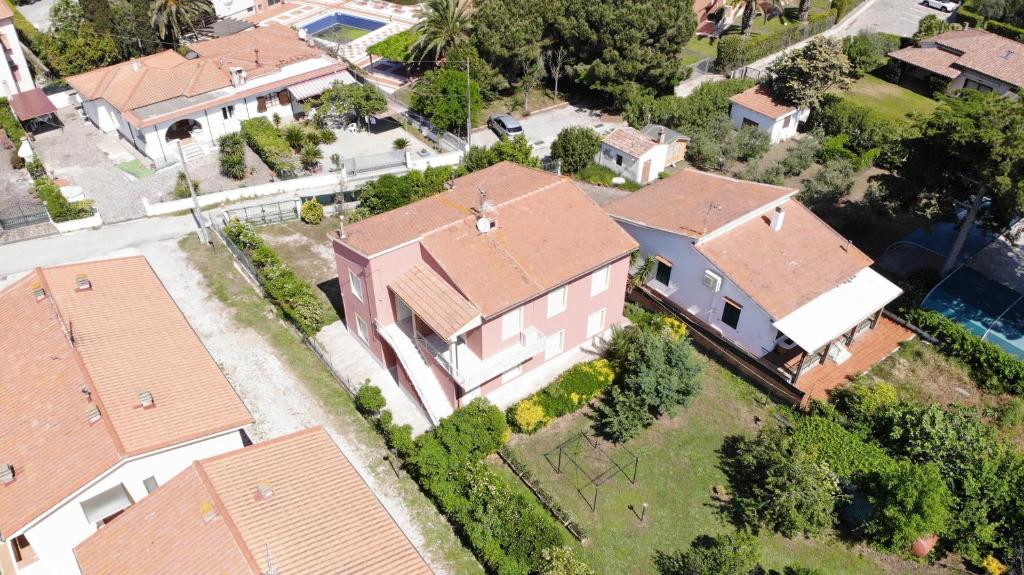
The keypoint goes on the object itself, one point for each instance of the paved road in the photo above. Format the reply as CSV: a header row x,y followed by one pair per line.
x,y
541,128
893,16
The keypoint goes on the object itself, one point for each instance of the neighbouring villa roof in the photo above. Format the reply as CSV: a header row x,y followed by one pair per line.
x,y
972,49
435,301
694,203
68,351
760,99
546,232
783,270
294,501
167,75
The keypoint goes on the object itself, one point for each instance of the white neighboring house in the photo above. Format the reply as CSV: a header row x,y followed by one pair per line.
x,y
155,100
757,107
14,73
974,59
234,8
106,394
759,268
640,155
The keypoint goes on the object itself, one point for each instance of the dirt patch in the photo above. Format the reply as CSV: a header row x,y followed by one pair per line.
x,y
307,251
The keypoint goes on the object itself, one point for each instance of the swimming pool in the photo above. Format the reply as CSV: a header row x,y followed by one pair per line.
x,y
341,27
987,308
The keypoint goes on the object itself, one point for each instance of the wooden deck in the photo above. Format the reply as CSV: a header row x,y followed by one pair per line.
x,y
868,349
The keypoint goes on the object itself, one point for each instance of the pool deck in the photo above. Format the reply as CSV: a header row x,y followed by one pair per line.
x,y
1003,259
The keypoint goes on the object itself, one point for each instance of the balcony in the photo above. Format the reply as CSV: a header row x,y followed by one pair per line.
x,y
465,367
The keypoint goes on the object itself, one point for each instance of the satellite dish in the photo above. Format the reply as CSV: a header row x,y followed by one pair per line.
x,y
483,225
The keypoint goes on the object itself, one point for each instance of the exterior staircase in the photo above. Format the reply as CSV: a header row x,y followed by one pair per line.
x,y
190,151
420,373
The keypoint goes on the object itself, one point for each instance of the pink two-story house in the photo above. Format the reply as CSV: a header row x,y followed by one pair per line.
x,y
465,292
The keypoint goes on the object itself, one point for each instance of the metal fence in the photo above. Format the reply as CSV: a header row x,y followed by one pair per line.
x,y
374,162
19,215
269,213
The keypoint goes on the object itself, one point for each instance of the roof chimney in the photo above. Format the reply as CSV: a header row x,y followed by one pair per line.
x,y
777,218
82,283
662,134
6,473
264,491
38,291
93,414
145,399
483,223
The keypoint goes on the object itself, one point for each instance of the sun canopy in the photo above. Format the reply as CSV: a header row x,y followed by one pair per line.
x,y
32,104
837,311
317,86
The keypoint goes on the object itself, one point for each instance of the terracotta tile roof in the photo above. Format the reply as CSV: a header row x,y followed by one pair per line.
x,y
166,75
934,60
760,100
317,516
547,232
129,336
693,203
971,49
434,300
784,270
630,141
6,11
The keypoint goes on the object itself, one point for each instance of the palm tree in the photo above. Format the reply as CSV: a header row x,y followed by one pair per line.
x,y
804,9
641,270
445,23
753,7
176,15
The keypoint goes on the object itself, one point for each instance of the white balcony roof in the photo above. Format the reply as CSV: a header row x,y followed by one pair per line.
x,y
838,310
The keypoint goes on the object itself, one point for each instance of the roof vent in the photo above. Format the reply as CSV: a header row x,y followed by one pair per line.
x,y
93,415
6,473
777,218
145,399
88,394
1007,55
237,76
39,291
207,511
136,65
662,135
302,33
264,491
484,225
191,55
82,283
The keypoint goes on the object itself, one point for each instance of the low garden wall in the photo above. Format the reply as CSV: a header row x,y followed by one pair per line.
x,y
93,221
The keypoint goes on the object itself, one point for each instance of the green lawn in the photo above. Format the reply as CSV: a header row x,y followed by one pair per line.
x,y
888,99
678,467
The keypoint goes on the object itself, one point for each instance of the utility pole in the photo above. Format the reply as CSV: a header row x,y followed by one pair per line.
x,y
469,108
195,200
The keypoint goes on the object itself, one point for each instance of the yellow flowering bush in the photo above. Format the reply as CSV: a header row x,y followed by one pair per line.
x,y
675,328
528,416
993,566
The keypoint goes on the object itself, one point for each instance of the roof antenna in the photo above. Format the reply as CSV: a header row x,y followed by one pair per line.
x,y
483,199
707,215
271,570
257,56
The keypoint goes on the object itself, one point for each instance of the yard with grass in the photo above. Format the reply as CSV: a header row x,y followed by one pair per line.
x,y
889,100
307,250
248,310
677,471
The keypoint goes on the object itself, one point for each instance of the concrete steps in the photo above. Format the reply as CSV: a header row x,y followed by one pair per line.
x,y
420,373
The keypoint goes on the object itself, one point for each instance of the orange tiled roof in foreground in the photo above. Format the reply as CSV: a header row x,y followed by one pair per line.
x,y
129,336
694,203
547,232
143,81
760,100
783,270
315,515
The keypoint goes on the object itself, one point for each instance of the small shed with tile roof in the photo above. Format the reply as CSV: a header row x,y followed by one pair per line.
x,y
758,107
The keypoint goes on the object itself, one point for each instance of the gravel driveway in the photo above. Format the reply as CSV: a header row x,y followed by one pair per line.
x,y
541,128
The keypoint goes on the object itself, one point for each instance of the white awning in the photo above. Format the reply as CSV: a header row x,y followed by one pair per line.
x,y
316,86
839,310
106,504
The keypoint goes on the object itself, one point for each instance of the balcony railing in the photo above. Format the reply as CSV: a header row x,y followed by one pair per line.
x,y
473,371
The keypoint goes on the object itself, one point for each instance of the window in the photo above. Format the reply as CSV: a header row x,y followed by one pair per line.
x,y
150,484
512,323
749,122
663,272
599,280
618,159
786,122
103,508
284,98
554,344
975,85
355,284
558,300
228,112
595,323
361,329
731,313
261,104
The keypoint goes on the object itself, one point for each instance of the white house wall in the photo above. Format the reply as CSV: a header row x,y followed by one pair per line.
x,y
54,537
233,8
754,332
632,167
772,126
9,85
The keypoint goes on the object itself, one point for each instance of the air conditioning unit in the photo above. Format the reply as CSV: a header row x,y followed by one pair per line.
x,y
712,281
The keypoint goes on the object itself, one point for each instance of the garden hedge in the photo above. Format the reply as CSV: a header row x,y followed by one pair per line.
x,y
61,210
1004,29
293,295
10,123
573,389
735,51
992,368
397,48
269,144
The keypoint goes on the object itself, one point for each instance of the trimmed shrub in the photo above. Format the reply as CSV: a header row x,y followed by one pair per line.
x,y
60,209
528,416
292,295
1003,29
266,140
312,212
909,500
35,168
991,367
370,400
232,156
17,162
595,174
572,390
576,147
10,123
181,190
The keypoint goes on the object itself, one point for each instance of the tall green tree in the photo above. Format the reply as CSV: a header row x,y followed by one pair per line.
x,y
99,13
748,10
441,96
909,501
357,99
70,51
174,19
576,147
134,18
803,76
736,553
445,24
509,32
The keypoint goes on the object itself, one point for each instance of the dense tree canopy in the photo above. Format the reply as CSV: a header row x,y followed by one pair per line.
x,y
735,553
801,77
440,95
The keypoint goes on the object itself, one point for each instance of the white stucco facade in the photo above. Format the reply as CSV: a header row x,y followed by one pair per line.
x,y
54,534
234,8
778,129
651,163
14,73
754,331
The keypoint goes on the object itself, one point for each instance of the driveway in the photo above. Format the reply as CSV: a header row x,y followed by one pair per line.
x,y
542,128
371,143
38,13
898,17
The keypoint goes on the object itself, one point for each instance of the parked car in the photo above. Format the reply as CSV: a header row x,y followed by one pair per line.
x,y
504,125
944,5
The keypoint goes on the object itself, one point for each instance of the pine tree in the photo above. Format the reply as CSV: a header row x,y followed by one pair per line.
x,y
99,14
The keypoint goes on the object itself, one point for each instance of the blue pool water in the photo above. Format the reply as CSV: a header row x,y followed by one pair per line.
x,y
341,19
989,309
